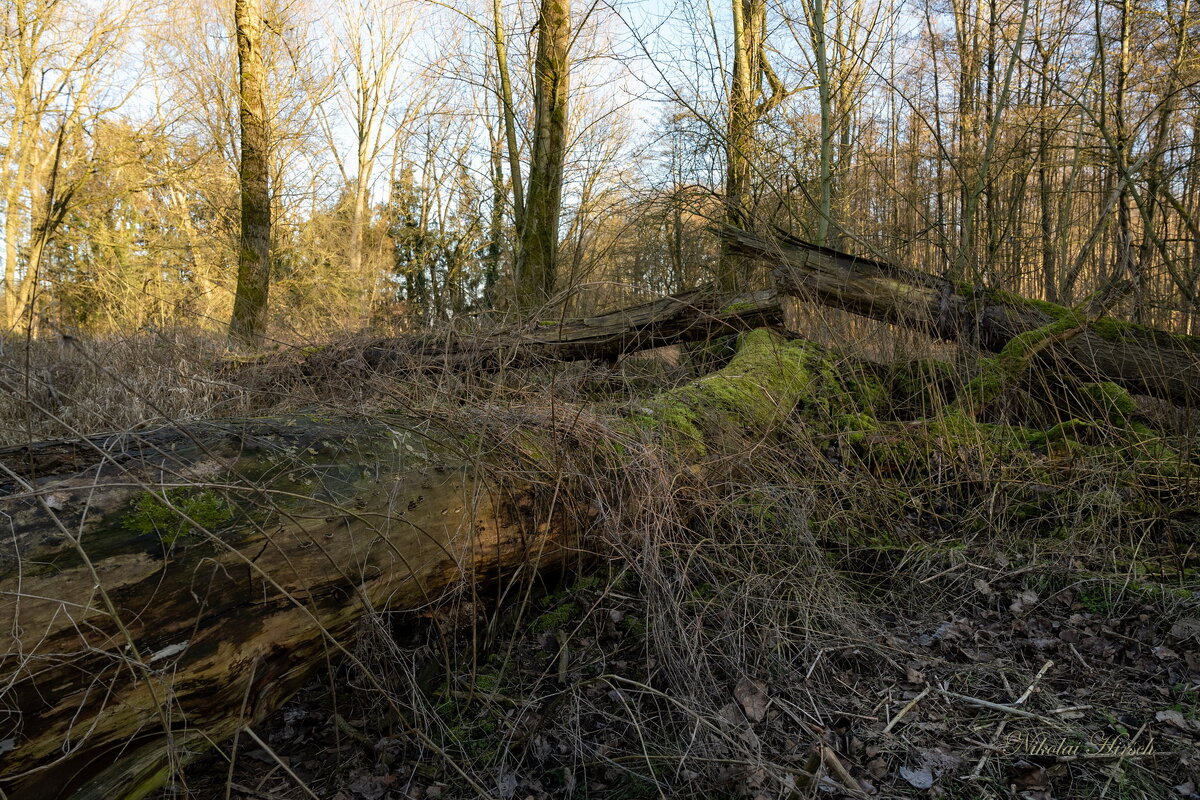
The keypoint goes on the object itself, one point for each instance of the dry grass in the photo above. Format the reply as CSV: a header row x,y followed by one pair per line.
x,y
746,626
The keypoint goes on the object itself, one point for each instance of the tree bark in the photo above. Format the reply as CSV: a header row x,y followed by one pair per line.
x,y
254,267
167,588
508,115
538,258
747,107
1144,360
744,91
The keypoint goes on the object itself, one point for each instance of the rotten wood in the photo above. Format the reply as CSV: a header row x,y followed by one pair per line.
x,y
155,583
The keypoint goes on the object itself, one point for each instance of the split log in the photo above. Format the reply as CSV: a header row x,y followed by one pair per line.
x,y
690,316
166,588
1144,360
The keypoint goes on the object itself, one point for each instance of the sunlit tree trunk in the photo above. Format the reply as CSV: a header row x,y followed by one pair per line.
x,y
254,267
740,134
747,107
538,259
1124,242
508,114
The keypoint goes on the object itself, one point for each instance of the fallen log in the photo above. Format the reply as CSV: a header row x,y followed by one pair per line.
x,y
1144,360
690,316
164,589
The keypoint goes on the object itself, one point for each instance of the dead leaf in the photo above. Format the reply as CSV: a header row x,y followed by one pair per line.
x,y
752,697
1176,718
730,715
1028,776
940,760
1186,628
368,787
918,778
1023,601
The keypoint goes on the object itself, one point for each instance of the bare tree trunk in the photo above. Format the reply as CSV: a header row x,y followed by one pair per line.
x,y
740,133
1124,242
538,258
254,266
825,100
504,84
1045,189
495,248
747,107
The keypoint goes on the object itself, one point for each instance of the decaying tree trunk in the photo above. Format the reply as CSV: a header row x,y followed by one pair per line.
x,y
1144,360
163,589
166,588
686,317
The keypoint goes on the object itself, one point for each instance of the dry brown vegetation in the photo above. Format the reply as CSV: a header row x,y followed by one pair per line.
x,y
790,619
906,568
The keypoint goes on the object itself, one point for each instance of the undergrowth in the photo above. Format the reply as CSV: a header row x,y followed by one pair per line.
x,y
800,617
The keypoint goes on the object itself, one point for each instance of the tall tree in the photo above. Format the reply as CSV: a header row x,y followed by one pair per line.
x,y
842,38
370,37
254,264
504,92
56,78
538,257
747,107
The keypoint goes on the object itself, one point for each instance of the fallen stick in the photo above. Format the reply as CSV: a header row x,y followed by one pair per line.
x,y
911,705
975,701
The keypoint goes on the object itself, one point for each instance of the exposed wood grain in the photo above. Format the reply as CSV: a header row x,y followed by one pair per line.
x,y
297,526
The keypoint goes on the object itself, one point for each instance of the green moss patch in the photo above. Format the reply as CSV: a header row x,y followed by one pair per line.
x,y
1110,400
179,513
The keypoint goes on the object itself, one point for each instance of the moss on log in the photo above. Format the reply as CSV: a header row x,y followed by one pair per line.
x,y
1142,359
764,382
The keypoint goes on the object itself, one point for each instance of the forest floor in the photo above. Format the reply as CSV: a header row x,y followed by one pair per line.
x,y
572,698
850,633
